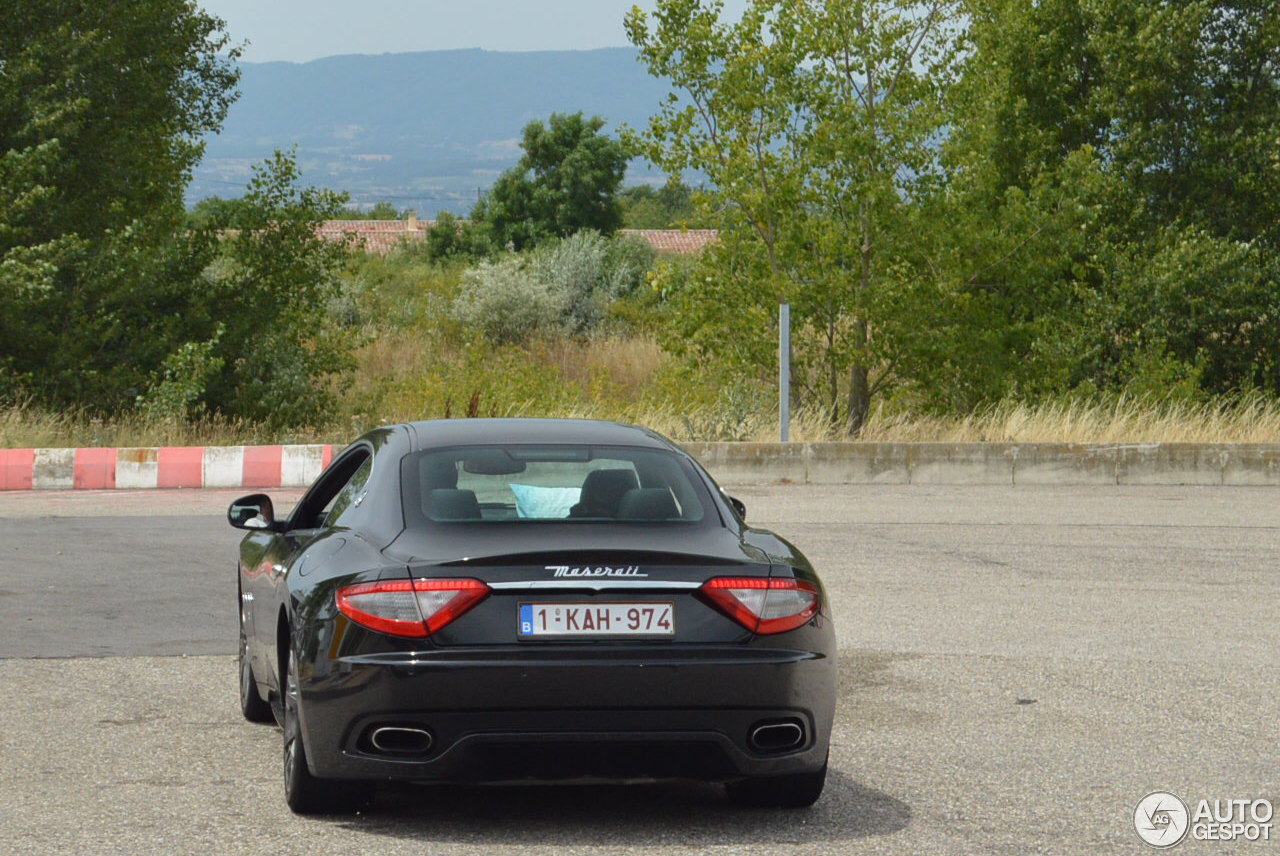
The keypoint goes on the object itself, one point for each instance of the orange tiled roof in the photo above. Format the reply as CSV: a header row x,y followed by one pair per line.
x,y
376,236
682,241
381,236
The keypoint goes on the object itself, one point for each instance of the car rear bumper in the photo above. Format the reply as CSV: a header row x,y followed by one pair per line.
x,y
514,713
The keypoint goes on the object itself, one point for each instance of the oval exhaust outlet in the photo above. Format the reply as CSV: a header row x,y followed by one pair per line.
x,y
401,740
776,736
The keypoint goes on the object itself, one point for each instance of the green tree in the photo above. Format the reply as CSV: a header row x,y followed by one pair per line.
x,y
668,207
379,211
213,209
275,352
451,238
567,180
102,111
1178,107
816,124
1180,100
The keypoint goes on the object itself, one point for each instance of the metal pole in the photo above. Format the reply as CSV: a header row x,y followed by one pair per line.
x,y
784,372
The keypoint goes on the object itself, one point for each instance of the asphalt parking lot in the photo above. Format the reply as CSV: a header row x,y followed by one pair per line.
x,y
1019,666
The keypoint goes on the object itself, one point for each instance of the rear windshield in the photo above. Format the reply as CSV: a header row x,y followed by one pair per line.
x,y
538,484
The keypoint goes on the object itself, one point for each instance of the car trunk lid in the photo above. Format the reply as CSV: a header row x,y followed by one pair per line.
x,y
602,597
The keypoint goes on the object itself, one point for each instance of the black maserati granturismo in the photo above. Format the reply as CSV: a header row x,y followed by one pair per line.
x,y
495,600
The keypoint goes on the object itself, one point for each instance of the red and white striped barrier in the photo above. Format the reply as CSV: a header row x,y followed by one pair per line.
x,y
162,467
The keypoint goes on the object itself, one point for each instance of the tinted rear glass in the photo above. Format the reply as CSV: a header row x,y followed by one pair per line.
x,y
540,484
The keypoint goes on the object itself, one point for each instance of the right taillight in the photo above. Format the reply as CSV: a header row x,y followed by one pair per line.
x,y
764,604
409,607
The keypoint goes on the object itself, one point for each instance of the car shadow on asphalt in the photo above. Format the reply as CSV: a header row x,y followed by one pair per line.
x,y
688,814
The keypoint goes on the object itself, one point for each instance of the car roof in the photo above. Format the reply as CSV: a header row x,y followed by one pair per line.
x,y
436,433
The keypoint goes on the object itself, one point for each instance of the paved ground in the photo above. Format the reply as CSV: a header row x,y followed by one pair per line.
x,y
1019,666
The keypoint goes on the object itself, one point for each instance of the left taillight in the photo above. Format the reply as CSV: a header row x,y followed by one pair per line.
x,y
412,608
764,604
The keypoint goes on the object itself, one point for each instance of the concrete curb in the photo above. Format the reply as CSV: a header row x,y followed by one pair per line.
x,y
162,467
730,463
992,463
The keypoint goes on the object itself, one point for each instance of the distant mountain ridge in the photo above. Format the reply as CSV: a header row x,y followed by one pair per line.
x,y
423,130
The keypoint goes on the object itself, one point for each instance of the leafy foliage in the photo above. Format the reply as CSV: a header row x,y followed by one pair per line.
x,y
965,202
567,180
175,394
816,124
1175,109
667,207
562,288
378,211
212,210
507,302
102,111
451,238
1064,197
267,291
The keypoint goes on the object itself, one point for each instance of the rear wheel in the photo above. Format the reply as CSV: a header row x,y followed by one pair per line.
x,y
304,792
795,790
252,705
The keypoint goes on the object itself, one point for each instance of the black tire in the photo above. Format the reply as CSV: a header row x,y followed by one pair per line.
x,y
304,792
252,705
795,790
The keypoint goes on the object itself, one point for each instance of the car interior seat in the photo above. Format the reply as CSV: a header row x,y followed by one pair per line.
x,y
648,503
451,504
602,493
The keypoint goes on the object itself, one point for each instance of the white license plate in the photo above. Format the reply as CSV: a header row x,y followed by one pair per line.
x,y
596,619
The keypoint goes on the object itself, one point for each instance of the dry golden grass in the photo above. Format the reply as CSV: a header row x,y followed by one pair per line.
x,y
25,427
1126,420
392,353
627,365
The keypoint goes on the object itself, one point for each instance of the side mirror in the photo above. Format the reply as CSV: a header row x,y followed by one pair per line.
x,y
252,512
738,506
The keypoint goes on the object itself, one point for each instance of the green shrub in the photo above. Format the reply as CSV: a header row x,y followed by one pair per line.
x,y
508,301
451,238
174,393
561,287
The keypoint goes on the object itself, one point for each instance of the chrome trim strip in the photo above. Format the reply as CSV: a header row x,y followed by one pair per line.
x,y
594,585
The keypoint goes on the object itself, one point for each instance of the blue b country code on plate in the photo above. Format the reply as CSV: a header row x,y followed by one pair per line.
x,y
526,619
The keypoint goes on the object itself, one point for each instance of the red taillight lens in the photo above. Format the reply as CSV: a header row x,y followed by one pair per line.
x,y
764,604
409,607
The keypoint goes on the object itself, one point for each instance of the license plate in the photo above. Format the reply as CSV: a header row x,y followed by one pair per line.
x,y
596,619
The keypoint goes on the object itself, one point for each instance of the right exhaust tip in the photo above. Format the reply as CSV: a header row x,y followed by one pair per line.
x,y
776,736
401,740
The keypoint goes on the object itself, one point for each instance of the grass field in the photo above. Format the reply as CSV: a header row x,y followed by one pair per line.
x,y
1125,420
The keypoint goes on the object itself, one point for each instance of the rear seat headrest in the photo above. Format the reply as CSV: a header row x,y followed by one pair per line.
x,y
648,503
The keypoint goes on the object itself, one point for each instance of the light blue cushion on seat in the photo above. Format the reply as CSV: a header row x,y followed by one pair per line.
x,y
544,503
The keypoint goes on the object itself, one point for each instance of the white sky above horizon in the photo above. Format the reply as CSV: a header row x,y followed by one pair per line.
x,y
295,31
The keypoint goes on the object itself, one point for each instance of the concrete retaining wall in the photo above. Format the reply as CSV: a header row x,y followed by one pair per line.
x,y
730,463
992,463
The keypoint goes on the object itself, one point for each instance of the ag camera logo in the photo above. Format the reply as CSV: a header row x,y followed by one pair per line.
x,y
1161,819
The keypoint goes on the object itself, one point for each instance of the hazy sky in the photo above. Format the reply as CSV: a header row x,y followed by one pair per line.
x,y
299,31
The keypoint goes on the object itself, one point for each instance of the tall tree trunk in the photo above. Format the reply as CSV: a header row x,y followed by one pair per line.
x,y
833,379
859,388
